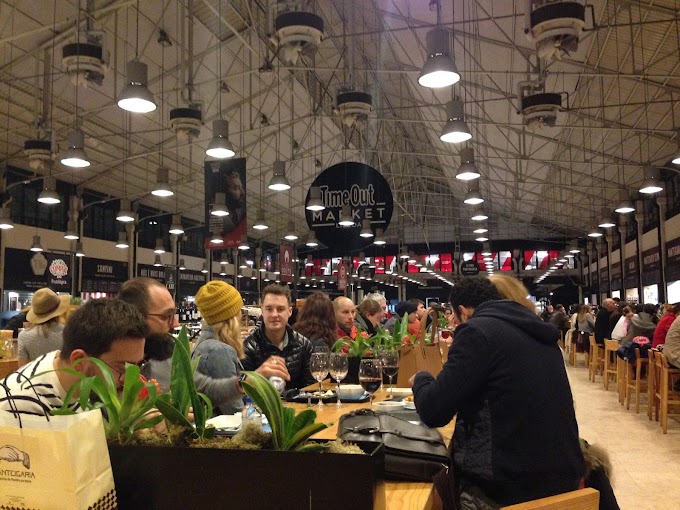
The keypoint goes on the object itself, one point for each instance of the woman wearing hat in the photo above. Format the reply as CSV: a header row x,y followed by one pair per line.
x,y
219,345
44,333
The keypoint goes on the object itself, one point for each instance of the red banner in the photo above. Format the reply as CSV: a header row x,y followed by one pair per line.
x,y
342,276
286,256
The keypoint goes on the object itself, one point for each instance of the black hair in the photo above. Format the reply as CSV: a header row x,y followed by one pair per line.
x,y
416,301
94,326
471,292
136,292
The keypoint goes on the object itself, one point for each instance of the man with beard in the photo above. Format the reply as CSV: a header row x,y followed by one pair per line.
x,y
155,303
236,201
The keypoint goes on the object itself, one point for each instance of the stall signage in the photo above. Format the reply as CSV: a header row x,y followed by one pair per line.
x,y
342,276
651,266
616,276
673,260
632,279
469,268
286,256
101,275
27,270
368,196
157,273
170,279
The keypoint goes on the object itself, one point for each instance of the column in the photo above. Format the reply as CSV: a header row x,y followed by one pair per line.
x,y
623,221
661,202
639,218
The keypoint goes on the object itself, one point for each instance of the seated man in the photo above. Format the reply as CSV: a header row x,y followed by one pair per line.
x,y
405,307
108,329
274,343
345,313
516,436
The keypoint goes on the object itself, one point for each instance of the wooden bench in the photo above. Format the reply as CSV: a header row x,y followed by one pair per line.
x,y
583,499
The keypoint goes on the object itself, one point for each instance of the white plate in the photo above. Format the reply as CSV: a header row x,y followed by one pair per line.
x,y
388,405
400,392
226,421
409,405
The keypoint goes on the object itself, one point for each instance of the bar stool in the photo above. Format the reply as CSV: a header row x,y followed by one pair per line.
x,y
634,379
610,361
652,385
665,393
596,355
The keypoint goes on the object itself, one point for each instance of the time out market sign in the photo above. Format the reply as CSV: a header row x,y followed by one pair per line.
x,y
366,192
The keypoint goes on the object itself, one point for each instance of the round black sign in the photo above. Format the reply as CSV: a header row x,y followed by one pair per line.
x,y
469,268
367,193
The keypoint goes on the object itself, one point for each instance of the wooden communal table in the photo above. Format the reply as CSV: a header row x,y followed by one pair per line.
x,y
7,366
398,495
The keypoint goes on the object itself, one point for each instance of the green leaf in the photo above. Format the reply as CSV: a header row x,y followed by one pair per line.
x,y
305,433
268,400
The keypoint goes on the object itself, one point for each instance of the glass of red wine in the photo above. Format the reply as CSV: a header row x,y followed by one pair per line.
x,y
370,376
390,364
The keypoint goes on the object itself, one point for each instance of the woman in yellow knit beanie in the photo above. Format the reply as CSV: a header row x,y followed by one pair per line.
x,y
219,347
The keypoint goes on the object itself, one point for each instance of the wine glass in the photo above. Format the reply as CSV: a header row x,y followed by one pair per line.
x,y
318,366
390,365
370,376
339,366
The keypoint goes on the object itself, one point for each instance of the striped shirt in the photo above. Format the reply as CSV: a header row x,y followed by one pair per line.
x,y
27,393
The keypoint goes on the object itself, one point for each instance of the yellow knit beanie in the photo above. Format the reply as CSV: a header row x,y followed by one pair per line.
x,y
217,301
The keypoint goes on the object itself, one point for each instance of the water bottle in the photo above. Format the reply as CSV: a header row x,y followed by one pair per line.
x,y
278,383
251,414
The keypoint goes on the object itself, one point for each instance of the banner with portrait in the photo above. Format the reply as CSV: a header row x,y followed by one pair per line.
x,y
228,177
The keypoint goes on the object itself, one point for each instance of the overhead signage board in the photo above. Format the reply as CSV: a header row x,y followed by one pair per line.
x,y
469,268
228,177
101,275
27,270
368,195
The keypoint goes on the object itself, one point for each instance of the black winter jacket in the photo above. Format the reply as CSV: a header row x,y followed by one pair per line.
x,y
516,435
297,354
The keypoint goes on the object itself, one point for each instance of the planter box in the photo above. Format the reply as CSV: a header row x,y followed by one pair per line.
x,y
149,477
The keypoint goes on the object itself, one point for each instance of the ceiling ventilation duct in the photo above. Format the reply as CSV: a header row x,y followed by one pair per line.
x,y
85,63
38,152
539,109
186,123
296,33
555,28
354,107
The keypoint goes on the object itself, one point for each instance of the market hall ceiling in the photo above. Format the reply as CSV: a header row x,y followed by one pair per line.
x,y
545,173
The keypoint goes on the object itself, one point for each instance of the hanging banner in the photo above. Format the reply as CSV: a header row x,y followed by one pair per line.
x,y
651,266
632,279
155,272
617,284
286,257
101,275
367,193
673,260
189,282
27,270
170,279
342,276
228,177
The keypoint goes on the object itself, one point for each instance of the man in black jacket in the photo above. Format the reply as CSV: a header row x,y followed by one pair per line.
x,y
273,341
516,436
603,327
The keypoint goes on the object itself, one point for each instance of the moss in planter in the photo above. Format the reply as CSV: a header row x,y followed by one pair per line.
x,y
340,446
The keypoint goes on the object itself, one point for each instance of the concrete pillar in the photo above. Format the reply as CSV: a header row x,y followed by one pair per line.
x,y
661,201
639,218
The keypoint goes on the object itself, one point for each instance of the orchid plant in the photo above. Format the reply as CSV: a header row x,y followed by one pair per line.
x,y
366,345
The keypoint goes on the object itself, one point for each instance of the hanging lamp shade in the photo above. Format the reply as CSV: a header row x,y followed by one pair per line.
x,y
625,205
379,238
79,249
346,219
478,214
260,222
48,195
125,213
455,130
651,183
219,207
36,246
176,225
182,265
594,233
160,246
574,249
136,96
162,187
480,230
122,240
439,69
279,181
71,231
224,260
6,222
219,146
157,261
473,197
468,170
366,228
204,267
243,243
486,250
481,238
216,236
312,241
606,221
75,156
290,232
315,203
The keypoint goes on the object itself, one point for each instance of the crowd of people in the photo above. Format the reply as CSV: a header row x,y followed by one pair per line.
x,y
504,379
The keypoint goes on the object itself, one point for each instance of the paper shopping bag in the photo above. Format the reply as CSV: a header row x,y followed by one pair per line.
x,y
56,464
418,357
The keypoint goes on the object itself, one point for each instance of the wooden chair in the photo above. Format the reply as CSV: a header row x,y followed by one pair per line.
x,y
596,359
635,379
583,499
665,393
621,379
570,347
610,361
652,385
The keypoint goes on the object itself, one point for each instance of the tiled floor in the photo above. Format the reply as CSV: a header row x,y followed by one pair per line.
x,y
646,463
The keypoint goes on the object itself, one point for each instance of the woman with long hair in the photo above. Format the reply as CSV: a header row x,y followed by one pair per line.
x,y
621,327
368,316
219,346
512,289
316,320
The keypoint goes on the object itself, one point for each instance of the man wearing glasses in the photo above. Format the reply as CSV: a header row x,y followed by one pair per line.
x,y
108,329
155,303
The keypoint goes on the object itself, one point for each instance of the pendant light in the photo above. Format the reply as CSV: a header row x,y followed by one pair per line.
x,y
160,246
176,226
219,207
48,195
478,214
379,239
403,254
480,230
136,96
481,239
315,203
346,219
651,183
606,221
182,265
260,223
224,260
36,246
157,261
625,205
79,249
243,243
216,236
455,130
290,232
122,240
6,222
312,241
75,156
204,267
574,249
71,231
473,197
220,147
279,182
594,233
468,170
366,228
125,213
162,187
439,69
486,250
